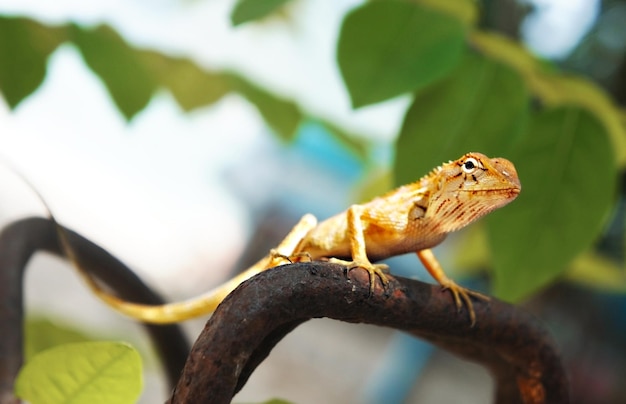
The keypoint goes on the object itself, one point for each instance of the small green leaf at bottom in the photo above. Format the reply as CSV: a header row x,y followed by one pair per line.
x,y
41,334
84,372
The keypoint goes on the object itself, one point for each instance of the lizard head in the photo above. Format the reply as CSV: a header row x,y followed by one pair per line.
x,y
469,188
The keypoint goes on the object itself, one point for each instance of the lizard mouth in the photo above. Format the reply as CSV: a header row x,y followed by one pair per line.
x,y
512,191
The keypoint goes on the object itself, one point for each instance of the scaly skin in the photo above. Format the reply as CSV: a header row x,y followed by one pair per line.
x,y
412,218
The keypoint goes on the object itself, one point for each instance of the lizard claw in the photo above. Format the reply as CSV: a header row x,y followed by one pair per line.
x,y
374,270
462,295
380,270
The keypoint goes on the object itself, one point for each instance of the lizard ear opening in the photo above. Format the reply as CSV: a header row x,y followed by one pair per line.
x,y
417,212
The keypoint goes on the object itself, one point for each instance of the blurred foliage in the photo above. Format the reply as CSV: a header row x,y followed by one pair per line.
x,y
41,333
250,10
132,76
567,147
82,372
471,89
24,49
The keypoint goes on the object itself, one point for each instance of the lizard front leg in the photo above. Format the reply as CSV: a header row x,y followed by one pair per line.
x,y
358,249
460,293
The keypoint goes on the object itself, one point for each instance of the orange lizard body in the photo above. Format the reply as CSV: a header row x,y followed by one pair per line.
x,y
412,218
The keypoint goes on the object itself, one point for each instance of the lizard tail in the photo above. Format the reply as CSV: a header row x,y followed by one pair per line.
x,y
203,304
186,309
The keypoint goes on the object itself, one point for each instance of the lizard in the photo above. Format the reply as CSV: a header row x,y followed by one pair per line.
x,y
412,218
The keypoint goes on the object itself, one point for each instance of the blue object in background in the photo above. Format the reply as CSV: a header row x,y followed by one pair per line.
x,y
395,376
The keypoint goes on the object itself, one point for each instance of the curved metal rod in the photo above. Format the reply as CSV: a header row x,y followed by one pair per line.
x,y
260,312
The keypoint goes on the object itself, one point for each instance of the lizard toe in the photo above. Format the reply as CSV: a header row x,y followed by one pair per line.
x,y
462,297
374,270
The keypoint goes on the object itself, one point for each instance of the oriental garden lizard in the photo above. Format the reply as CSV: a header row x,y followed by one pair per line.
x,y
411,218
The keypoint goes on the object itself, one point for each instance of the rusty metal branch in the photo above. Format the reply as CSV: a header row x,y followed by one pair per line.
x,y
18,242
260,312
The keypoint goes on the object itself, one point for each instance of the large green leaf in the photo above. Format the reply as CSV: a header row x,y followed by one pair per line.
x,y
118,65
250,10
568,175
390,48
481,107
24,49
84,372
553,88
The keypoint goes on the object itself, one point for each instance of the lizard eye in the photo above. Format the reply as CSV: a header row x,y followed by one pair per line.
x,y
470,165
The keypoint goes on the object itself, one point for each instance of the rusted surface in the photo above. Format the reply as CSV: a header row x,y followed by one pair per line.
x,y
258,314
18,242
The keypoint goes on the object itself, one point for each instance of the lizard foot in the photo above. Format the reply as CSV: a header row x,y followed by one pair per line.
x,y
276,258
462,295
380,270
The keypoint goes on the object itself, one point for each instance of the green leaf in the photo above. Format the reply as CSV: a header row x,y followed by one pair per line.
x,y
118,65
571,90
465,10
568,175
41,334
508,51
482,107
281,115
390,48
24,49
249,10
85,372
191,86
552,88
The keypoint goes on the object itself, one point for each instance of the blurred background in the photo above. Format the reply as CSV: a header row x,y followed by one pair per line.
x,y
189,195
